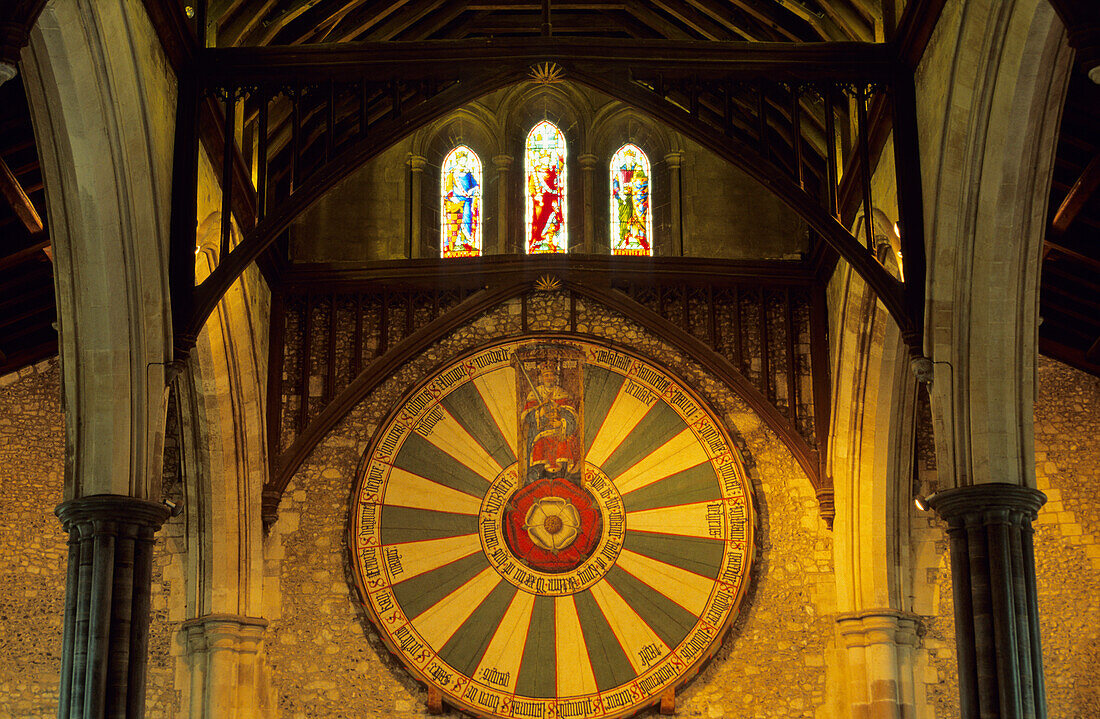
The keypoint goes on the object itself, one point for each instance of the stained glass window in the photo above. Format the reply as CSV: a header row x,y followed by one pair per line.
x,y
460,204
631,220
546,200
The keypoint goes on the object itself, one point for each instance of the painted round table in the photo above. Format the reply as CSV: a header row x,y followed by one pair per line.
x,y
551,527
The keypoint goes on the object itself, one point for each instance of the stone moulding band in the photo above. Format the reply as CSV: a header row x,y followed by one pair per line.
x,y
956,504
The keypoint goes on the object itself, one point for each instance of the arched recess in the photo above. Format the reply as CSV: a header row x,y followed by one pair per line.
x,y
613,126
221,397
741,153
378,371
102,105
475,127
994,79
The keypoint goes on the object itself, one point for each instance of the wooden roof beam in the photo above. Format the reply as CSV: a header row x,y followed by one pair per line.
x,y
1078,196
1061,246
21,204
18,258
435,23
414,12
355,24
724,13
239,25
693,19
1070,355
647,16
317,22
858,62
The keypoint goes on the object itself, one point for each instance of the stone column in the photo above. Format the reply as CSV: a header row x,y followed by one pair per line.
x,y
106,634
996,608
588,196
416,205
503,165
675,211
224,651
878,646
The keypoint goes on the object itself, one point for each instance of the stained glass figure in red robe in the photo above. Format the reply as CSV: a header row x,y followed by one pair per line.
x,y
545,196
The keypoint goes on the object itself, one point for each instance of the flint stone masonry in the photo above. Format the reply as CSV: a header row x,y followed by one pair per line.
x,y
32,577
327,660
1067,553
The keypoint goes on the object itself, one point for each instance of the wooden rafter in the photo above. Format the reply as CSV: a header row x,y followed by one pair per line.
x,y
431,25
413,13
20,204
1078,196
730,15
690,16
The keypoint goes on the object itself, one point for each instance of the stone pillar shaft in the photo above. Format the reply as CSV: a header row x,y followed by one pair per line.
x,y
996,606
676,217
416,205
503,165
106,634
589,198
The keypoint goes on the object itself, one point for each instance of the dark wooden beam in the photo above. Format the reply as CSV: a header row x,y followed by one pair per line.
x,y
728,15
689,16
438,20
1082,21
17,198
16,20
360,21
233,29
23,356
1072,356
174,31
17,258
915,30
410,15
596,270
13,318
860,62
1078,196
1070,249
315,23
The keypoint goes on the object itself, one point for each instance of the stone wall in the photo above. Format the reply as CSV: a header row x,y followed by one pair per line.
x,y
328,661
1067,552
32,575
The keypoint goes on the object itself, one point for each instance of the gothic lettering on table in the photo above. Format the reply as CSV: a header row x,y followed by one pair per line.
x,y
544,501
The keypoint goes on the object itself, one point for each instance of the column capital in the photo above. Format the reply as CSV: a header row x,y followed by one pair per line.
x,y
114,508
959,504
588,161
673,160
878,626
224,631
417,163
502,162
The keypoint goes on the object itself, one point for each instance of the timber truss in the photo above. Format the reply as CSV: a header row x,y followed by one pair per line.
x,y
807,121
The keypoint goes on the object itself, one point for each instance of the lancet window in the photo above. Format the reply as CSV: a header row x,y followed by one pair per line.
x,y
631,220
460,204
545,206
